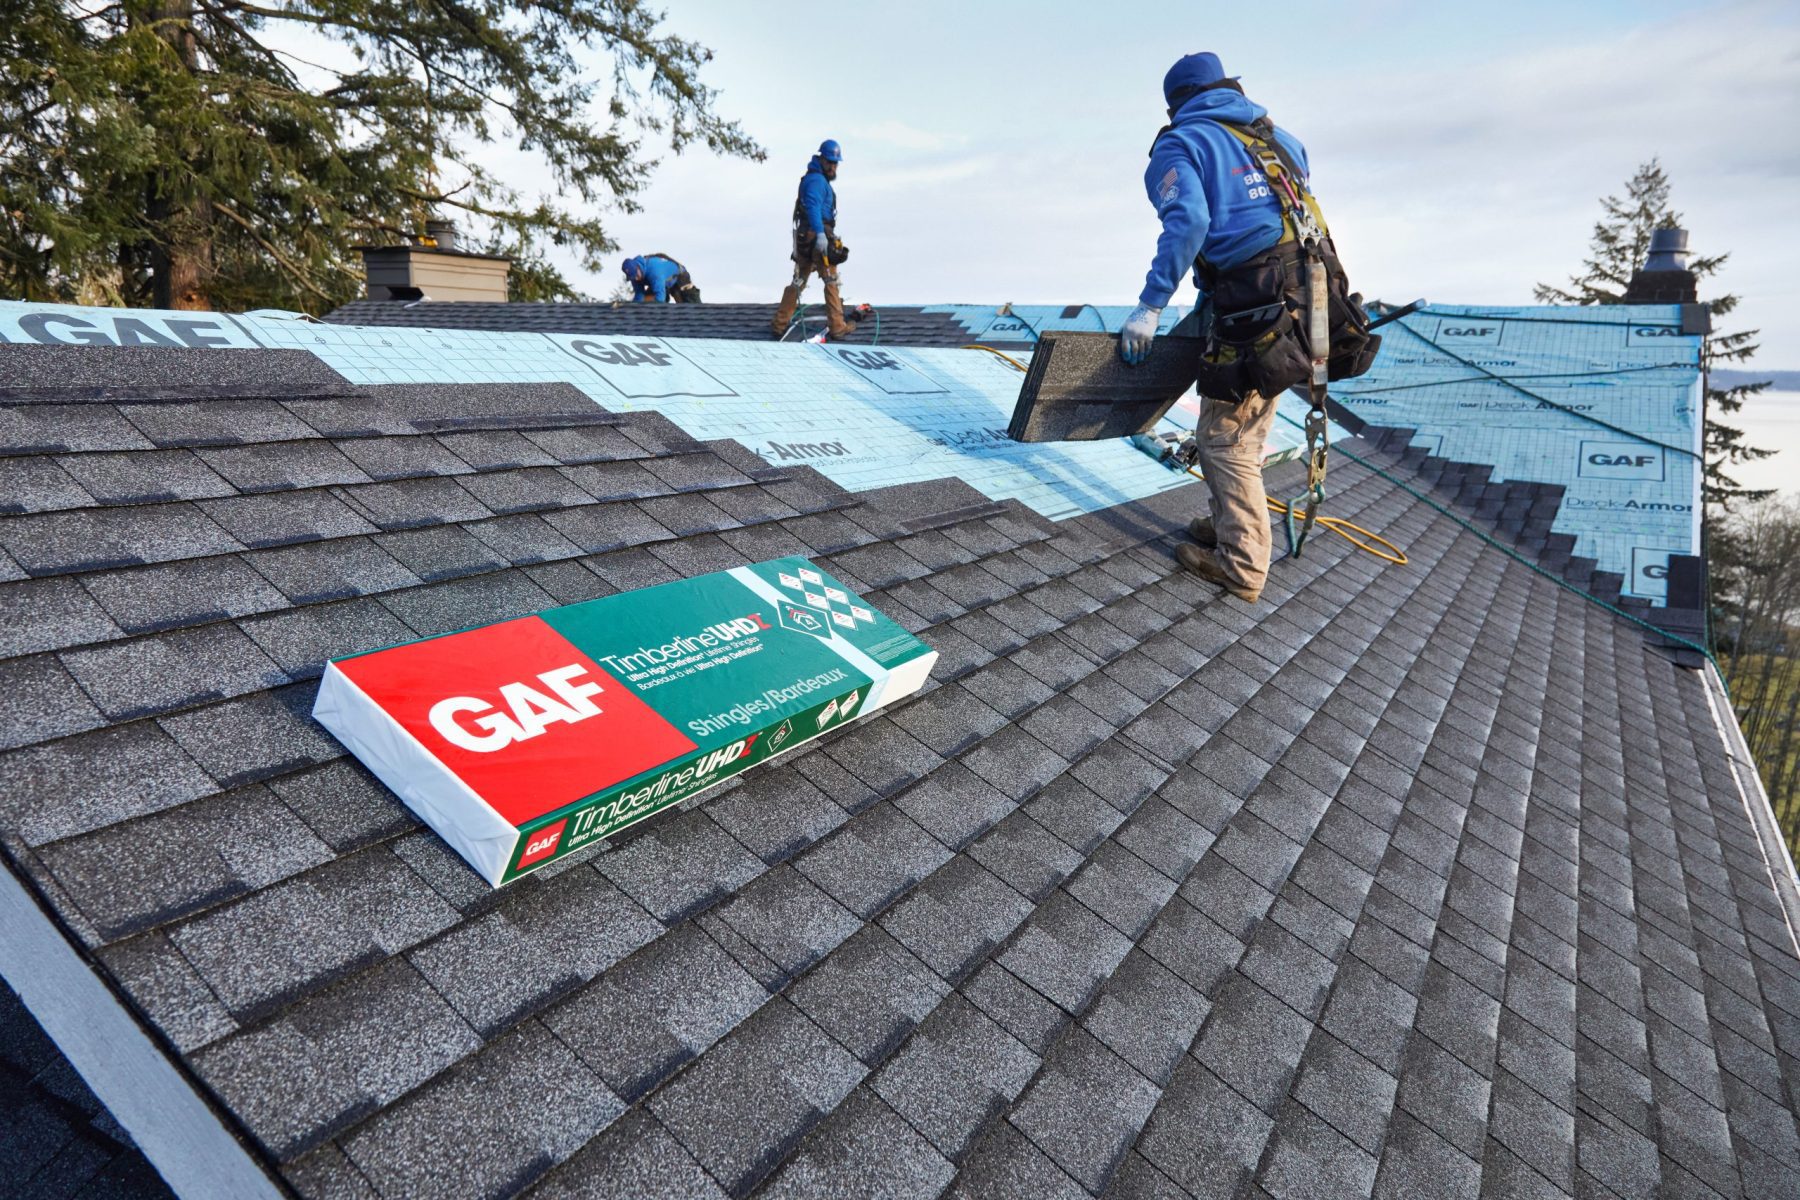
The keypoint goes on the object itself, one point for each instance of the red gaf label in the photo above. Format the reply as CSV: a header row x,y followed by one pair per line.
x,y
542,844
519,714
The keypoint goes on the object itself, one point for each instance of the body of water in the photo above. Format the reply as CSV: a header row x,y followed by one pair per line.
x,y
1771,421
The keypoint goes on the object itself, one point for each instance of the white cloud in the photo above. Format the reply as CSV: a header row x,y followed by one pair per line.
x,y
1468,181
1476,183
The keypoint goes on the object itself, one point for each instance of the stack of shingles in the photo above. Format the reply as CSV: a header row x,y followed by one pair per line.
x,y
898,326
1152,892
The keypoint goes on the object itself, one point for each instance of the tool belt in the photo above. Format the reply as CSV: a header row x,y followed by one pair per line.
x,y
1263,315
835,254
835,250
1259,341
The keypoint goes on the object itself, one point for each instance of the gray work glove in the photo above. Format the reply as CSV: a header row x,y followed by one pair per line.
x,y
1138,333
821,242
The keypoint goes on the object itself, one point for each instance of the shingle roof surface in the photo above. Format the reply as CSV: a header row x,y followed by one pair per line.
x,y
899,325
55,1138
1422,881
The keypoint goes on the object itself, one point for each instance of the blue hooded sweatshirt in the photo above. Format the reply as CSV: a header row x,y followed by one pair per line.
x,y
818,199
1210,192
651,277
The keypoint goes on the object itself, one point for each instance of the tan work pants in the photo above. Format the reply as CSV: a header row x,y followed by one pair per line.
x,y
834,299
1231,439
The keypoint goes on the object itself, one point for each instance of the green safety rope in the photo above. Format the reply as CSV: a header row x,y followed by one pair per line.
x,y
800,317
1349,393
1553,320
1313,496
1503,380
1318,457
1006,311
1513,554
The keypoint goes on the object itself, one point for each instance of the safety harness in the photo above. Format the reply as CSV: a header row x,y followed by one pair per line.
x,y
1286,316
836,252
1302,223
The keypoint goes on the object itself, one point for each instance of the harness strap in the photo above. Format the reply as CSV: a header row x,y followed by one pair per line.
x,y
1302,222
1298,207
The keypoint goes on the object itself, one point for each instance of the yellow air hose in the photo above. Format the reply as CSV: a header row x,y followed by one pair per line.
x,y
1007,358
1346,529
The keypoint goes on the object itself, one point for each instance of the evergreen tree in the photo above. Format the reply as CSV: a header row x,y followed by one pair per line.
x,y
232,153
1620,243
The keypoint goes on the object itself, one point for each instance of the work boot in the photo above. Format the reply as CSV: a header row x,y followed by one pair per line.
x,y
1201,530
1204,564
834,312
784,312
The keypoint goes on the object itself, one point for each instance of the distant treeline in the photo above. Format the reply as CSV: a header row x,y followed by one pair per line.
x,y
1781,381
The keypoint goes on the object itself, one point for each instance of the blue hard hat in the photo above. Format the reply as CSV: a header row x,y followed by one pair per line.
x,y
1191,73
830,151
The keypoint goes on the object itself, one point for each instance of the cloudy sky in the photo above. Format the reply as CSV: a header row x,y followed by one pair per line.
x,y
995,152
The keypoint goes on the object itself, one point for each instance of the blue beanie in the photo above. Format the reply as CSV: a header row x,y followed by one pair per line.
x,y
1190,74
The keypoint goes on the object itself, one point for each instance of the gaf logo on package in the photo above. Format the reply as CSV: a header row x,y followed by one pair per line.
x,y
521,741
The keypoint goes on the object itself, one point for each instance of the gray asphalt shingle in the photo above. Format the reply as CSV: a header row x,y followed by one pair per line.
x,y
1407,881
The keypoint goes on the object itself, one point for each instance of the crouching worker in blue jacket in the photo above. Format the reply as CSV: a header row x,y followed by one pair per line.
x,y
659,277
1233,194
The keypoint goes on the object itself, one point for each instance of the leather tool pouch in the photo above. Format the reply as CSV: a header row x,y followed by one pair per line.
x,y
1259,342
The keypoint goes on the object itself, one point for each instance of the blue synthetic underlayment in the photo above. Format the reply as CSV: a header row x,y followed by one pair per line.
x,y
873,416
1013,322
1633,498
866,417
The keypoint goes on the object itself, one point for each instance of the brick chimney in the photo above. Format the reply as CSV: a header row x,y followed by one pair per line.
x,y
1664,278
434,269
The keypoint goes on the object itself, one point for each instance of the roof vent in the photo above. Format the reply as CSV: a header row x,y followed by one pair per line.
x,y
1664,278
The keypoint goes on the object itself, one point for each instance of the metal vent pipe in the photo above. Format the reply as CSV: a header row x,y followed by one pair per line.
x,y
1668,250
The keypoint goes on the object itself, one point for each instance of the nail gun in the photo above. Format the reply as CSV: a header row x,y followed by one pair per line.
x,y
1173,450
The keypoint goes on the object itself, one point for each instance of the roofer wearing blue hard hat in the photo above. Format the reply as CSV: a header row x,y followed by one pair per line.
x,y
659,277
816,244
1234,196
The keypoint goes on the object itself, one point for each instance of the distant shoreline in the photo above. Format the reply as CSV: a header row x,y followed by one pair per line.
x,y
1780,381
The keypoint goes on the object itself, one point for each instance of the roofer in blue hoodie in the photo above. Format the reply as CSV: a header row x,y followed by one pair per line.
x,y
816,247
1222,219
660,277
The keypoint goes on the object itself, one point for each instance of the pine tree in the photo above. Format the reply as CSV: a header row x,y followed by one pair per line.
x,y
232,153
1620,242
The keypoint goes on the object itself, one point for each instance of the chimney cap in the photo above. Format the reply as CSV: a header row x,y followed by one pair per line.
x,y
441,232
395,253
419,272
1668,250
1664,278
